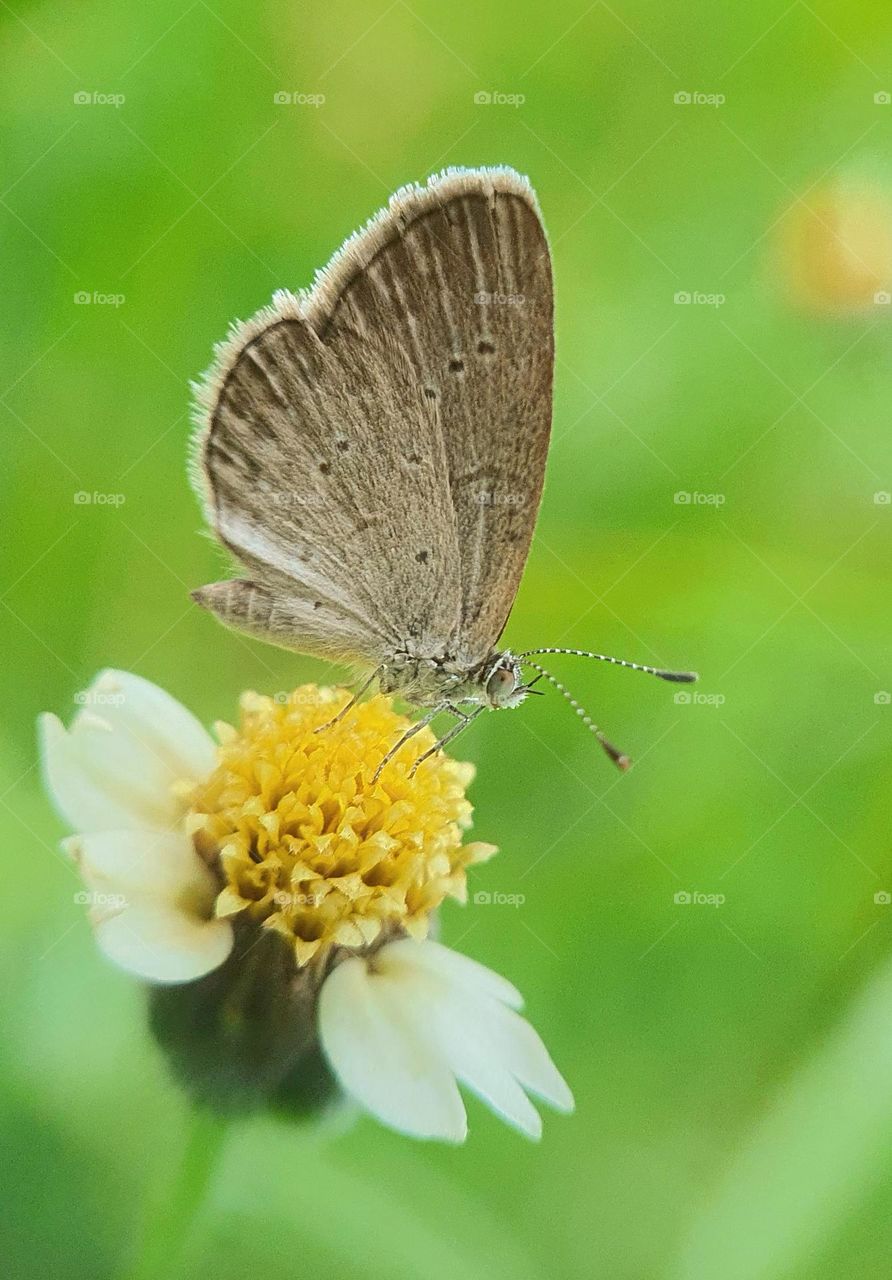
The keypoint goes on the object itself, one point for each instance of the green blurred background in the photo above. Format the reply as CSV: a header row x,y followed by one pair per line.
x,y
732,1064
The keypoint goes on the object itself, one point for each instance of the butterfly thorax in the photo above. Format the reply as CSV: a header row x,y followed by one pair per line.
x,y
428,682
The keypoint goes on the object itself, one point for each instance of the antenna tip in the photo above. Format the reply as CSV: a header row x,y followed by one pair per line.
x,y
679,677
619,758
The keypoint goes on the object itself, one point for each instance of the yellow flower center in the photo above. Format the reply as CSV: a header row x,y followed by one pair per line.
x,y
307,844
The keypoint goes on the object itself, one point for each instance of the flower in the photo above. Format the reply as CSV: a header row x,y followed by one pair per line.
x,y
309,846
833,246
281,830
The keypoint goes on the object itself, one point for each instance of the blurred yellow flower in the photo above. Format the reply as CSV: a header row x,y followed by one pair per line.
x,y
835,248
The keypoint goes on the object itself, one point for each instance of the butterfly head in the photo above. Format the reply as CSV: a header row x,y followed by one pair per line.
x,y
503,682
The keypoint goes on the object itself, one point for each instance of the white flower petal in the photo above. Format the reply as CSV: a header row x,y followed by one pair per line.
x,y
126,749
521,1050
380,1061
137,706
150,864
453,966
423,1009
81,796
446,1021
501,1032
156,942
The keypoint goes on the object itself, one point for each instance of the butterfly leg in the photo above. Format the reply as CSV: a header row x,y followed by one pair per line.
x,y
456,729
410,733
353,701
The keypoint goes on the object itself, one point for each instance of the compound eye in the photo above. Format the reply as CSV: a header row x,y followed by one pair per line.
x,y
501,684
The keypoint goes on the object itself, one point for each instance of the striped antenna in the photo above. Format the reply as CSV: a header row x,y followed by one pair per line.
x,y
677,677
619,758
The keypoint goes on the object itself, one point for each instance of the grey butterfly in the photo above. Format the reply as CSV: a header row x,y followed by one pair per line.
x,y
372,450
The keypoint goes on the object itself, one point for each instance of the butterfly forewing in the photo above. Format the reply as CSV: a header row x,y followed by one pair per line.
x,y
373,451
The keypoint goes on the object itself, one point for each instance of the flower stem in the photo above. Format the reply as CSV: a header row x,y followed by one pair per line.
x,y
169,1221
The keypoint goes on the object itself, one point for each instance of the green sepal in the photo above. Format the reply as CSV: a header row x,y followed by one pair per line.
x,y
244,1037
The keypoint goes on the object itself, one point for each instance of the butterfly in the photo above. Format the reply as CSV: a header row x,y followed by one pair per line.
x,y
372,450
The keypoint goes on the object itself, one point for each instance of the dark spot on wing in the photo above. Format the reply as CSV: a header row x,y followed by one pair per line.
x,y
421,557
486,348
456,366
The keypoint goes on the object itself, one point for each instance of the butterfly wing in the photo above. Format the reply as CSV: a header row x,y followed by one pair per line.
x,y
467,261
373,451
324,472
